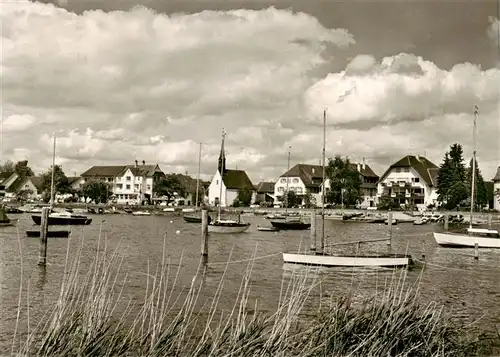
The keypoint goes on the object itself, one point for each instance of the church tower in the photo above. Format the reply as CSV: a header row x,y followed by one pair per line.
x,y
222,158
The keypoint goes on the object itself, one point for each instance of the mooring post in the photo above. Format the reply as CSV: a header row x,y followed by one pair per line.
x,y
204,236
44,228
312,233
389,225
476,251
423,250
490,220
446,222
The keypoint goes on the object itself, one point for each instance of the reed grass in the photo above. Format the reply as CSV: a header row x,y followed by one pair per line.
x,y
87,322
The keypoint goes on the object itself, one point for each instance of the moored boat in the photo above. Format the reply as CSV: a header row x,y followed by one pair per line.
x,y
50,234
394,260
267,229
141,213
295,225
484,238
63,219
227,226
192,219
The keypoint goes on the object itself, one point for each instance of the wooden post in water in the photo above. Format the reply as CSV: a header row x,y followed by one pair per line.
x,y
312,233
44,228
389,224
476,251
490,220
204,236
423,250
446,222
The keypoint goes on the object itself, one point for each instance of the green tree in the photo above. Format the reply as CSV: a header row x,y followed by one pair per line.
x,y
343,176
481,193
97,190
244,197
61,183
22,169
452,186
169,186
7,166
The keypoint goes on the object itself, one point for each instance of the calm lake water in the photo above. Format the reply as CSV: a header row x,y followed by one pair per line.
x,y
469,289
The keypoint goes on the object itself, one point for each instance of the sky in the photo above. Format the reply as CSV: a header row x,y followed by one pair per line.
x,y
125,80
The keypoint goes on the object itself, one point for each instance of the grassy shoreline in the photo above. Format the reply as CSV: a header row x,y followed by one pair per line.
x,y
85,321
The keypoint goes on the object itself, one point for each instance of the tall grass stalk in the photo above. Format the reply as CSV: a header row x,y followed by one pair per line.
x,y
86,320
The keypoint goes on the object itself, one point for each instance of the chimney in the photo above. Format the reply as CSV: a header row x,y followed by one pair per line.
x,y
364,164
359,167
136,163
143,163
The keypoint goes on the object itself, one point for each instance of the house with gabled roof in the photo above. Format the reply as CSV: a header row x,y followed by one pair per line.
x,y
32,186
368,187
232,181
302,179
496,190
6,180
130,184
264,192
412,180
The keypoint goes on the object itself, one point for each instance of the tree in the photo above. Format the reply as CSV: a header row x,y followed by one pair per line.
x,y
343,176
451,185
480,192
8,166
23,195
61,183
290,199
22,169
169,186
244,197
497,194
309,200
97,190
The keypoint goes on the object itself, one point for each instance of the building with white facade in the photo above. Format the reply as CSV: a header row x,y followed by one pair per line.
x,y
130,184
410,181
232,181
302,179
496,190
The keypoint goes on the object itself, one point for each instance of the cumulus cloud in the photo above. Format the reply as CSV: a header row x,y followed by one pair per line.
x,y
121,86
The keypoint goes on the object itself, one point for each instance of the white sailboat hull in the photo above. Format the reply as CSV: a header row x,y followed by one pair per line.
x,y
227,229
345,261
464,240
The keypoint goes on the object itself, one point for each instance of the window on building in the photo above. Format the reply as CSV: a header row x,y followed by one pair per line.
x,y
136,186
119,186
281,189
397,169
128,187
295,180
149,187
405,169
283,180
417,179
110,179
128,178
299,190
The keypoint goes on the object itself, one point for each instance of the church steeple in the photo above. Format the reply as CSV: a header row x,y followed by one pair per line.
x,y
222,156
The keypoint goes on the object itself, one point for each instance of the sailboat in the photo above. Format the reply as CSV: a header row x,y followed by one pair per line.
x,y
60,218
296,224
322,259
227,225
195,218
482,237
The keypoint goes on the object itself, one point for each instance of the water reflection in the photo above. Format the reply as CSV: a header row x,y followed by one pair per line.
x,y
42,277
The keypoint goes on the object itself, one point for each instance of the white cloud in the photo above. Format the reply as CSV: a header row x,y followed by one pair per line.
x,y
17,123
122,86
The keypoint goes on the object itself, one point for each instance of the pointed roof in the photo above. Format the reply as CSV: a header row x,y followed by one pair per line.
x,y
237,180
497,176
118,170
265,187
426,169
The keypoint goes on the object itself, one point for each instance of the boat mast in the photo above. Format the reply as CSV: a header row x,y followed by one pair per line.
x,y
221,174
52,178
473,186
287,178
198,177
322,243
